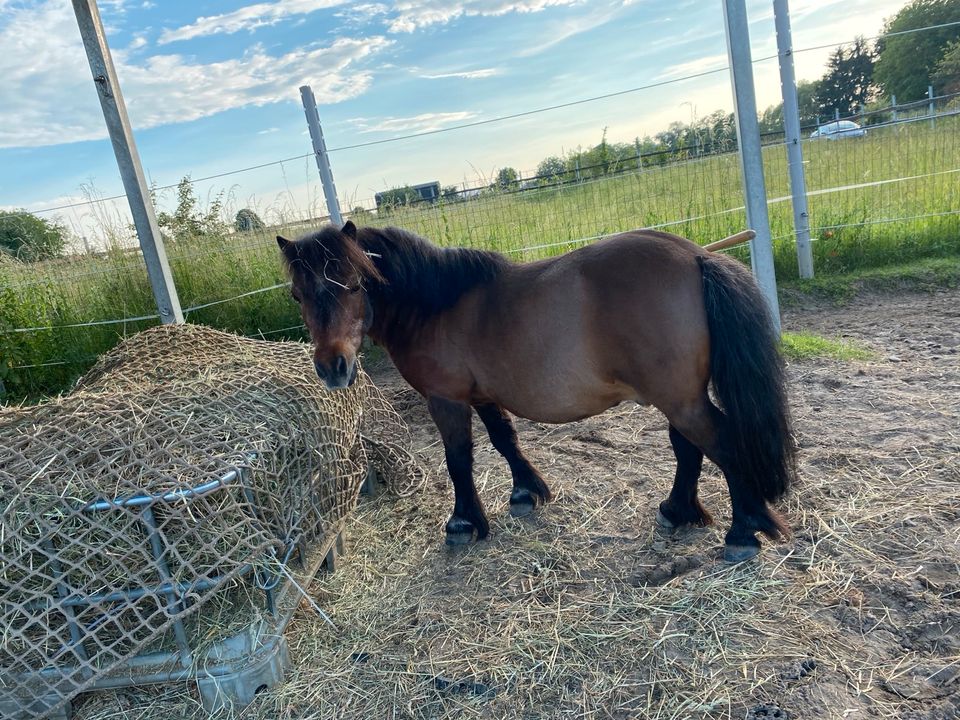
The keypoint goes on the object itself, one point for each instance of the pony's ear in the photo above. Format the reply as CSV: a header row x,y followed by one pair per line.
x,y
349,229
282,242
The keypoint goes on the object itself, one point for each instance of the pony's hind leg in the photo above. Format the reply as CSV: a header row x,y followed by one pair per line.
x,y
454,421
706,427
529,489
683,507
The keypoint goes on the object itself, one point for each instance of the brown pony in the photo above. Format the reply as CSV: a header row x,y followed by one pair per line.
x,y
642,316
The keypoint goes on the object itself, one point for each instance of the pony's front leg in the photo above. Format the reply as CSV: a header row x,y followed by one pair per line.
x,y
529,489
453,420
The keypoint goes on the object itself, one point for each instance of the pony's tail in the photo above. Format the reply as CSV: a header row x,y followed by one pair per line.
x,y
748,377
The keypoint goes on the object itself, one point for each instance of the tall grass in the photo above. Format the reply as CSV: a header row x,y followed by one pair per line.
x,y
854,229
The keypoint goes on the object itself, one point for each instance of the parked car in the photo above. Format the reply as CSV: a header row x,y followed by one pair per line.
x,y
838,129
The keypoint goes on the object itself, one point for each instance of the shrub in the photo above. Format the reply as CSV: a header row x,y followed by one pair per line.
x,y
30,238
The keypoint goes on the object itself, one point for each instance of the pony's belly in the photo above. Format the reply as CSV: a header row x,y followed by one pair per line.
x,y
559,405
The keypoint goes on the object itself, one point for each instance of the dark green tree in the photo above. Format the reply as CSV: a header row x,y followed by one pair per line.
x,y
30,238
807,91
506,179
906,63
848,82
771,119
946,76
247,220
551,169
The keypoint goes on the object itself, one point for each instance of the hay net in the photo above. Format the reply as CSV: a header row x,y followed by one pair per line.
x,y
185,459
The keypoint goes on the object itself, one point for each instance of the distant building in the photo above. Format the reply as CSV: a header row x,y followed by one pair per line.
x,y
425,192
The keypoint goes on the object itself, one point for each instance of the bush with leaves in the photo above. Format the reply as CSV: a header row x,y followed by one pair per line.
x,y
947,75
188,221
247,220
506,179
30,238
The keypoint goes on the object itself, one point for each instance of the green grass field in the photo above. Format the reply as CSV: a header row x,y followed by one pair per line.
x,y
874,225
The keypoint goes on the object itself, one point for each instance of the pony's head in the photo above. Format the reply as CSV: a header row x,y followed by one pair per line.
x,y
328,272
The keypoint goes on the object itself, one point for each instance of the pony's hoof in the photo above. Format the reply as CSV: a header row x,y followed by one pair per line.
x,y
740,553
665,522
521,509
459,538
462,532
522,502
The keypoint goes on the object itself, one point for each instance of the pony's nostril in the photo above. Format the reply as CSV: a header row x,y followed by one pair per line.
x,y
319,368
340,366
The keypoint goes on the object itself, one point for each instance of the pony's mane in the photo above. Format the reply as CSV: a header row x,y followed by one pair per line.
x,y
312,253
421,276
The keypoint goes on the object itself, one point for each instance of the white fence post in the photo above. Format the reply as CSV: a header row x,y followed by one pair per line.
x,y
751,157
930,106
893,104
320,150
128,160
791,127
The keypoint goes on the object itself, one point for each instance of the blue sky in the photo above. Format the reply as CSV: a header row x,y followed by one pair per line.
x,y
212,86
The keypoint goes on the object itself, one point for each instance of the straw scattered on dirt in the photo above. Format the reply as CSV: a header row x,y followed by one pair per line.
x,y
585,610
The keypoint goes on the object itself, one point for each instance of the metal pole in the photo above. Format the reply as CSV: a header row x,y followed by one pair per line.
x,y
893,104
791,128
930,106
128,160
320,150
751,158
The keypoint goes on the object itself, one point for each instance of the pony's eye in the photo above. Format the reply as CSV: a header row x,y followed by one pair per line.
x,y
354,288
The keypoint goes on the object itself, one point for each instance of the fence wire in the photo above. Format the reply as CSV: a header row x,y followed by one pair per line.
x,y
886,197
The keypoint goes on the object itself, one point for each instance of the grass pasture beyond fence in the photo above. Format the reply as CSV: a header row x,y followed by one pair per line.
x,y
887,198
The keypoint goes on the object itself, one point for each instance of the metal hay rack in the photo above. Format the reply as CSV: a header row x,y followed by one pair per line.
x,y
157,523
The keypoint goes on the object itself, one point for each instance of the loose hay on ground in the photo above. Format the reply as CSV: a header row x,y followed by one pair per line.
x,y
582,610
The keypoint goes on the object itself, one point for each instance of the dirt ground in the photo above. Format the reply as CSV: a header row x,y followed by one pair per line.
x,y
586,610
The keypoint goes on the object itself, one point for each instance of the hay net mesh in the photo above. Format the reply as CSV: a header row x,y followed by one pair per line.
x,y
184,460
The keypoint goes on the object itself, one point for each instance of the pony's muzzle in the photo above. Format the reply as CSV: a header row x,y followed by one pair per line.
x,y
339,374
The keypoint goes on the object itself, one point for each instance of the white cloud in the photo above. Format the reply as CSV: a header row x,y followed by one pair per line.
x,y
697,66
249,17
362,13
566,28
404,17
466,74
413,14
418,123
267,131
49,98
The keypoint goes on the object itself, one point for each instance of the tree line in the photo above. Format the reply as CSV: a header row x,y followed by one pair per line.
x,y
859,76
862,75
